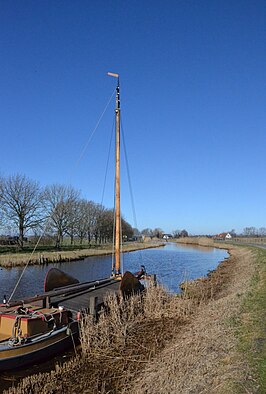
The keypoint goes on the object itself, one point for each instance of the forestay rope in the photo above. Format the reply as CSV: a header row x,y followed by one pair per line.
x,y
91,135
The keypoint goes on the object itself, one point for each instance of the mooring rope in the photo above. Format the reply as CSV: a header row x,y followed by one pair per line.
x,y
73,341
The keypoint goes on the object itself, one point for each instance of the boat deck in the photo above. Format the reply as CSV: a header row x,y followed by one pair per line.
x,y
87,300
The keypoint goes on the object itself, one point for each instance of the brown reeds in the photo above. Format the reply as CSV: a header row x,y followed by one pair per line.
x,y
201,241
126,337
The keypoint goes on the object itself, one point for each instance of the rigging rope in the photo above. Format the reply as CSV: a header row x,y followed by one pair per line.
x,y
113,250
129,178
34,250
121,242
107,164
91,135
121,249
130,186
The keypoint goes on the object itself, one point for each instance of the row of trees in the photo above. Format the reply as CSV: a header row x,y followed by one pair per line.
x,y
159,233
254,232
56,210
148,232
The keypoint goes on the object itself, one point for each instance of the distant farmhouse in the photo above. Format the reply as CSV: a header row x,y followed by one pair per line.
x,y
167,236
223,236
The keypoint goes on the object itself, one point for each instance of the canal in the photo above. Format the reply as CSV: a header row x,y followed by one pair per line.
x,y
172,263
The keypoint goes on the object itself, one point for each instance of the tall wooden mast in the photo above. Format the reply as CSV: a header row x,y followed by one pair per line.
x,y
117,267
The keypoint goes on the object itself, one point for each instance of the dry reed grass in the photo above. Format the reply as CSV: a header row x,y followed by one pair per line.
x,y
115,349
202,241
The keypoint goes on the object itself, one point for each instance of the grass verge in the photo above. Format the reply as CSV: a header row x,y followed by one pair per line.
x,y
251,327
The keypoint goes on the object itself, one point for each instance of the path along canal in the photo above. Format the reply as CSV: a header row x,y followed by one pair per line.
x,y
172,263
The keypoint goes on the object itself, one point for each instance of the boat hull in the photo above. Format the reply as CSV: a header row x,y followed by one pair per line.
x,y
38,350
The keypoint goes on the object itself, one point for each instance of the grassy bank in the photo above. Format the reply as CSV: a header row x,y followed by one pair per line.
x,y
9,260
250,327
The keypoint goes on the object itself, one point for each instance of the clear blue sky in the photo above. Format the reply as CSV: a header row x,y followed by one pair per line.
x,y
193,79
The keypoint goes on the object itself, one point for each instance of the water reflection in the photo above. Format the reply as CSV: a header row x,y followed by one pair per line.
x,y
172,264
175,263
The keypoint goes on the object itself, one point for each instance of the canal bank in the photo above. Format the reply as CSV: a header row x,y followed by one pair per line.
x,y
188,344
172,263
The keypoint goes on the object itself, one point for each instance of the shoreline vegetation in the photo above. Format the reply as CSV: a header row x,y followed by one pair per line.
x,y
209,339
203,241
46,257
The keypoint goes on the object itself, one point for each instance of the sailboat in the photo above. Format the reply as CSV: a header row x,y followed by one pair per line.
x,y
42,326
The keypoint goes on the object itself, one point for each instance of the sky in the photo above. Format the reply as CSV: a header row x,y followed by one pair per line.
x,y
192,77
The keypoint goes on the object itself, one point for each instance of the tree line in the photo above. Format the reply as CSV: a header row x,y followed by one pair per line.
x,y
56,211
254,232
159,233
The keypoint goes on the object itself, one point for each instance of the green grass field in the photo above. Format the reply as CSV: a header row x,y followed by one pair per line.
x,y
251,327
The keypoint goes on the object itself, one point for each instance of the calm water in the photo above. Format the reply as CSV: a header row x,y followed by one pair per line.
x,y
172,264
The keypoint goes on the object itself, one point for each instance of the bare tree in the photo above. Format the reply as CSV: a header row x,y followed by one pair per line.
x,y
262,231
59,202
21,203
183,233
1,211
104,226
93,210
72,219
250,231
127,229
136,232
147,232
176,233
82,219
233,233
157,232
